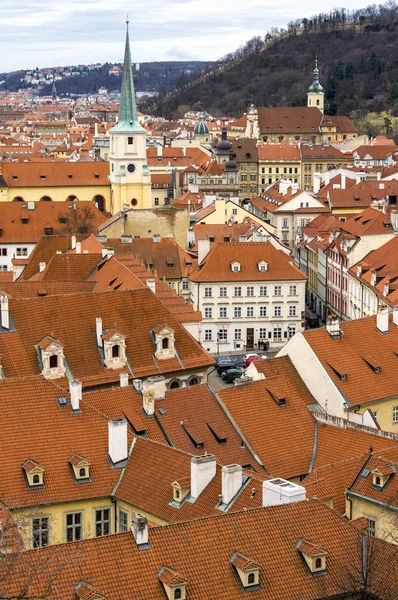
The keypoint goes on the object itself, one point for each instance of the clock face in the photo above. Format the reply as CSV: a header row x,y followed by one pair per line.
x,y
131,168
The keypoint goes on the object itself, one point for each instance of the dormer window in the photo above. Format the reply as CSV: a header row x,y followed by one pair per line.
x,y
52,358
80,468
247,570
262,266
164,341
235,266
314,557
381,475
114,349
174,583
181,489
33,473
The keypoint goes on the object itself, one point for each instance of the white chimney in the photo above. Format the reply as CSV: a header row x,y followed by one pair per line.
x,y
151,283
73,242
395,315
139,528
280,491
203,249
333,326
5,313
157,383
343,182
75,390
327,178
117,440
156,238
148,401
357,178
203,469
184,151
231,482
78,248
98,325
42,266
104,252
394,219
382,319
317,182
137,384
124,379
160,151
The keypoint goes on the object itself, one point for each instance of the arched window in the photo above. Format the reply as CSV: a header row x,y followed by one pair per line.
x,y
177,593
250,579
193,381
130,141
18,199
71,198
318,563
174,385
82,472
36,479
165,343
46,199
377,481
99,202
115,351
53,361
317,102
177,494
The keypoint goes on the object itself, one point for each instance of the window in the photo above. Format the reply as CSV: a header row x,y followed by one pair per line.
x,y
21,252
277,334
208,313
208,335
395,414
377,480
156,201
371,526
193,381
263,311
102,522
165,343
223,292
174,385
234,211
237,312
318,563
263,290
263,333
53,361
250,291
4,252
115,351
82,472
292,290
292,311
40,532
48,230
73,527
222,335
208,292
278,290
223,312
123,520
237,334
237,291
250,579
277,311
170,285
130,141
36,479
284,224
177,594
185,285
291,330
250,311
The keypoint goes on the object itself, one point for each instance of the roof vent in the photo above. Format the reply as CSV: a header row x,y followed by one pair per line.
x,y
333,327
279,491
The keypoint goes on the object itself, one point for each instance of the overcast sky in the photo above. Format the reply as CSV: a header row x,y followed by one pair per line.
x,y
67,32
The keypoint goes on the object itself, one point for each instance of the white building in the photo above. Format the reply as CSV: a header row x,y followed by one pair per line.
x,y
248,293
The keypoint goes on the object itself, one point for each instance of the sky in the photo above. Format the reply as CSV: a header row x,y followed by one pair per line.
x,y
46,33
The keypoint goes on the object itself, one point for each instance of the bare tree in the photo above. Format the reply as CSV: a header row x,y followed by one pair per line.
x,y
78,220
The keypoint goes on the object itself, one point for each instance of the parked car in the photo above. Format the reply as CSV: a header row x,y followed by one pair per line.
x,y
249,358
229,375
228,362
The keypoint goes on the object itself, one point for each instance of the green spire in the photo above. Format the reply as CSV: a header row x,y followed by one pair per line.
x,y
315,87
128,117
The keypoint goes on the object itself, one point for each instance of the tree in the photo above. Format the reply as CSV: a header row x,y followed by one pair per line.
x,y
79,219
349,70
392,93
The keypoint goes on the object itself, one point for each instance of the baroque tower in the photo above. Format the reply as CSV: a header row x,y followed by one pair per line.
x,y
316,96
129,175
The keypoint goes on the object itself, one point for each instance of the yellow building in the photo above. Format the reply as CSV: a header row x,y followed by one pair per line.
x,y
223,210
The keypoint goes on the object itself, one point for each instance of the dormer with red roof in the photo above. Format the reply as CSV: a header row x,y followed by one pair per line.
x,y
164,341
114,345
51,357
174,583
314,557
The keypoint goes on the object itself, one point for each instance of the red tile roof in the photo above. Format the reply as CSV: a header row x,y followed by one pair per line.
x,y
56,174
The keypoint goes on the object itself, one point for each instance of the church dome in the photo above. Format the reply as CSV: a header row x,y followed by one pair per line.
x,y
230,165
315,87
201,128
224,146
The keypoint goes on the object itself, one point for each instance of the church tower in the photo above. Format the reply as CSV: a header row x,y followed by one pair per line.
x,y
54,93
316,96
129,175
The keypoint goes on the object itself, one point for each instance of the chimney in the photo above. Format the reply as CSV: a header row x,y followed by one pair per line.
x,y
357,178
148,400
151,283
317,182
160,151
343,183
327,178
394,219
184,151
98,325
378,176
5,313
75,390
78,248
395,315
333,326
203,469
117,440
42,266
231,482
156,238
382,319
139,528
279,491
124,379
203,249
137,384
73,242
157,383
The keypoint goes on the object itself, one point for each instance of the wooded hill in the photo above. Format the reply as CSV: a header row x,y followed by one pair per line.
x,y
357,54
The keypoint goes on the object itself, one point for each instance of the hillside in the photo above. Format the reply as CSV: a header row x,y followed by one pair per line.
x,y
357,54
